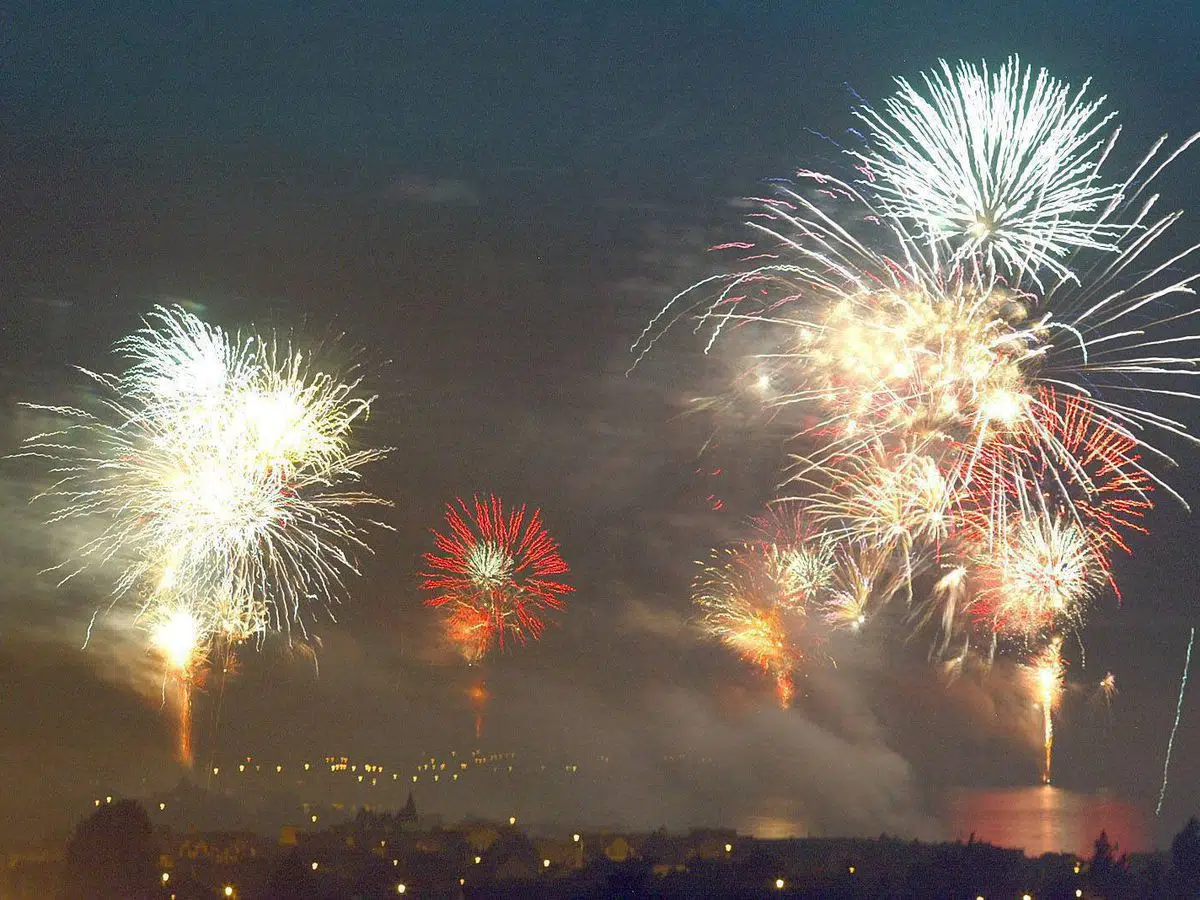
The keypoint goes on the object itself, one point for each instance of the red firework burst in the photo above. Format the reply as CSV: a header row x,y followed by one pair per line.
x,y
1117,495
1079,461
495,571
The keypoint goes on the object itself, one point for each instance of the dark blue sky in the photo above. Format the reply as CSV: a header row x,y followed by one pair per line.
x,y
496,196
593,86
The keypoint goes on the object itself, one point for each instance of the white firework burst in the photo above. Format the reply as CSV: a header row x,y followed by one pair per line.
x,y
1003,165
215,469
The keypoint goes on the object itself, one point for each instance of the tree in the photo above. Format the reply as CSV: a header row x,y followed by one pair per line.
x,y
408,815
1107,871
1185,854
112,855
512,855
292,879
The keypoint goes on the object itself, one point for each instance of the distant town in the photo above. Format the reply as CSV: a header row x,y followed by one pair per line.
x,y
239,830
266,794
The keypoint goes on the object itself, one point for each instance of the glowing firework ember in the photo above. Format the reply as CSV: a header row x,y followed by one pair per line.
x,y
494,572
1046,674
215,467
1108,689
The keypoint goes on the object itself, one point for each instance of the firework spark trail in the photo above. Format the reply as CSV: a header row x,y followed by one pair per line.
x,y
178,637
1047,673
1187,662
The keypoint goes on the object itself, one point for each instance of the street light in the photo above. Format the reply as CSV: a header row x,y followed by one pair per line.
x,y
779,884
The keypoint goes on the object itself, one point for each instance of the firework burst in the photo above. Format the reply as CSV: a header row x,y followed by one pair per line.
x,y
752,607
998,166
495,572
968,341
214,470
936,401
1042,578
214,466
802,557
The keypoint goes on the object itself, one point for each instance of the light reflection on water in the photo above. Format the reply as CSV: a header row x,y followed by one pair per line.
x,y
1045,820
770,828
1034,819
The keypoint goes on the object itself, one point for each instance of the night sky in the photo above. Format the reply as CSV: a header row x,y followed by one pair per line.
x,y
489,200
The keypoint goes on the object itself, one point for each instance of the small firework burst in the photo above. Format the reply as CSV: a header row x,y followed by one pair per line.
x,y
752,611
1040,579
495,572
802,556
